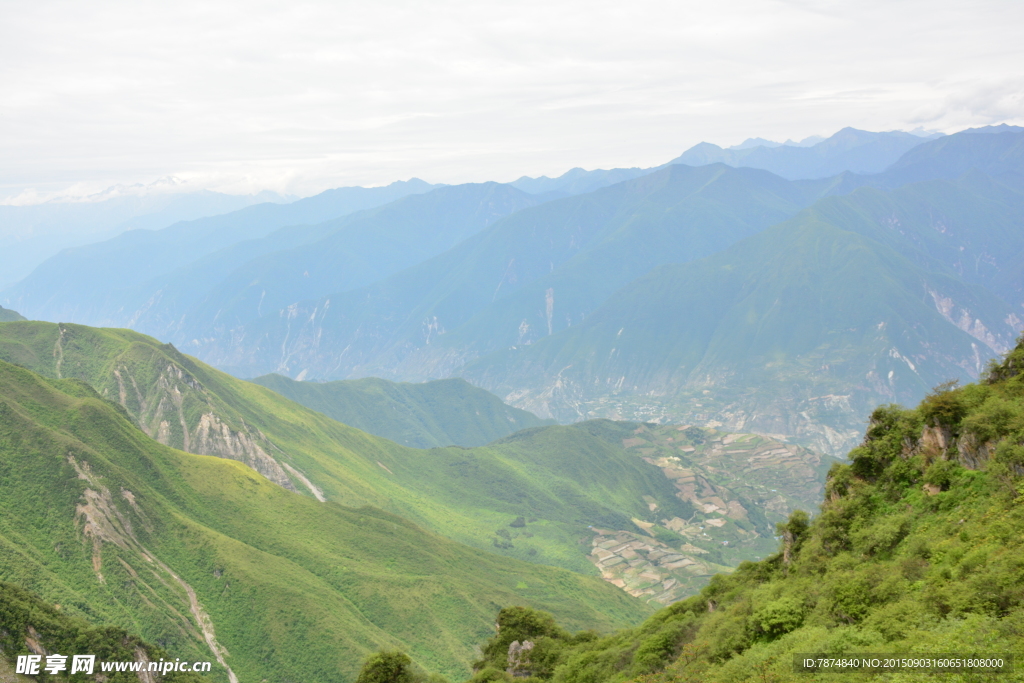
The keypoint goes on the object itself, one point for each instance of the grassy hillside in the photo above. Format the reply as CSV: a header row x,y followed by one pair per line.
x,y
29,625
737,486
449,412
7,315
798,330
465,494
918,549
208,559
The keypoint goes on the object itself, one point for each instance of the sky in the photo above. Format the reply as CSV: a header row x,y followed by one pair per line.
x,y
298,97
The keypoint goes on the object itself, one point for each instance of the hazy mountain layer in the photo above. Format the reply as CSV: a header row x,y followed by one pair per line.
x,y
447,412
214,562
31,234
797,330
577,181
75,284
853,150
997,151
248,280
536,272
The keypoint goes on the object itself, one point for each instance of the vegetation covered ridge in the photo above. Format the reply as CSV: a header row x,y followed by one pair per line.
x,y
9,316
31,626
918,549
564,482
445,412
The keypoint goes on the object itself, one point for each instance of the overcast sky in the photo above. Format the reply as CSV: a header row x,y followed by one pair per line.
x,y
298,97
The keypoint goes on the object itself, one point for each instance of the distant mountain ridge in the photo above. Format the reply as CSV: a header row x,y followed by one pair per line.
x,y
210,297
849,149
577,181
32,233
393,292
446,412
73,284
530,274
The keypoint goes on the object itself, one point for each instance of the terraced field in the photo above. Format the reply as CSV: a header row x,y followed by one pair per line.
x,y
739,485
647,568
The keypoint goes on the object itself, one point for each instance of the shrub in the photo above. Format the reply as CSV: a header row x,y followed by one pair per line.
x,y
778,618
387,667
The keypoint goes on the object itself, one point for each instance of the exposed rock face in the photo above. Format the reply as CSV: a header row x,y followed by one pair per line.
x,y
938,443
519,659
166,410
173,407
934,442
971,453
213,437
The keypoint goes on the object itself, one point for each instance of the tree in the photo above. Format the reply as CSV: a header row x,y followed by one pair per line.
x,y
387,667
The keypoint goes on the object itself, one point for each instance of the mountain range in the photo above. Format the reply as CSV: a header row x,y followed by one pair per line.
x,y
79,279
532,274
800,329
853,150
487,272
710,334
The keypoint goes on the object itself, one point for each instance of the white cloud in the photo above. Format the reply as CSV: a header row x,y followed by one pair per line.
x,y
241,96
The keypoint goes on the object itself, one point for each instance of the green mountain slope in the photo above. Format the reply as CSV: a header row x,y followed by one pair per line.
x,y
212,561
968,227
737,485
538,495
8,316
470,495
76,283
449,412
533,273
795,331
918,550
29,625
